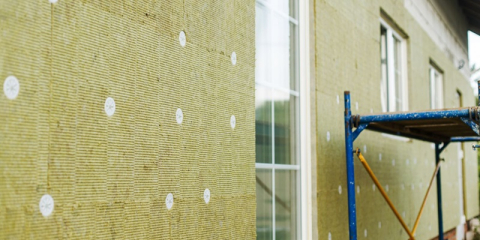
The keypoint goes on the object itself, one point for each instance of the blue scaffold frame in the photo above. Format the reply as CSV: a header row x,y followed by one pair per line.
x,y
362,122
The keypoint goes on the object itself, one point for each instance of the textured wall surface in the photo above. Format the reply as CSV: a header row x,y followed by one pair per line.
x,y
109,176
445,23
347,35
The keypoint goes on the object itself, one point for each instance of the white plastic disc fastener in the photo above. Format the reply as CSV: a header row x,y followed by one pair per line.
x,y
233,121
233,58
169,201
11,87
109,106
46,205
179,116
182,38
206,195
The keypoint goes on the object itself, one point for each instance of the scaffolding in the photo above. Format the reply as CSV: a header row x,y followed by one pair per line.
x,y
436,126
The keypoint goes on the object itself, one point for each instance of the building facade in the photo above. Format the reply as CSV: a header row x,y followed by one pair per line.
x,y
421,45
225,119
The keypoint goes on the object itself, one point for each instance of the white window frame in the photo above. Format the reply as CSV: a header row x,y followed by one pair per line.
x,y
306,194
391,91
304,176
433,69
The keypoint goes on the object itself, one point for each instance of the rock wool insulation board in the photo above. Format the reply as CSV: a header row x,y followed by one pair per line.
x,y
89,119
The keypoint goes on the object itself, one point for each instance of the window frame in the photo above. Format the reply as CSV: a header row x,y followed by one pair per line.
x,y
389,104
307,191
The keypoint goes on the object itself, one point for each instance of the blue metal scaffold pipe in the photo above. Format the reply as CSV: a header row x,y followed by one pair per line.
x,y
465,139
457,113
352,213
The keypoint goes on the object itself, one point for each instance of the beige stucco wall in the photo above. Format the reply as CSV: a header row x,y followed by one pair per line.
x,y
347,57
109,176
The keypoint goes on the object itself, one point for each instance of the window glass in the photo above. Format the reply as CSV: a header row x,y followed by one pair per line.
x,y
392,85
433,92
285,204
293,9
263,45
285,128
293,57
263,125
264,204
276,119
397,58
439,90
280,59
287,8
436,88
276,48
384,66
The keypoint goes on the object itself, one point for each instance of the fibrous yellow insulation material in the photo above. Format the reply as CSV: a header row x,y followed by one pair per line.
x,y
94,124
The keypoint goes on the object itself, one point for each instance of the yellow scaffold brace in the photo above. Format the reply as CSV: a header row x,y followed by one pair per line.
x,y
384,194
425,198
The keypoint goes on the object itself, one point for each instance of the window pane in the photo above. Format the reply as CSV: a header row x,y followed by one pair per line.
x,y
458,100
432,88
397,52
263,125
293,57
286,204
293,7
285,127
276,117
285,7
263,44
283,52
438,90
264,204
383,59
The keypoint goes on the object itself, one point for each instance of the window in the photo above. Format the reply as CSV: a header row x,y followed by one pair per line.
x,y
277,120
436,87
393,67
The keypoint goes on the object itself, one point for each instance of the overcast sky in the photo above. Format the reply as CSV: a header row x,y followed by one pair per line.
x,y
474,49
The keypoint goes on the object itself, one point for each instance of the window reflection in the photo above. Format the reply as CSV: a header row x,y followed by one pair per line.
x,y
264,204
285,204
263,125
276,117
285,129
